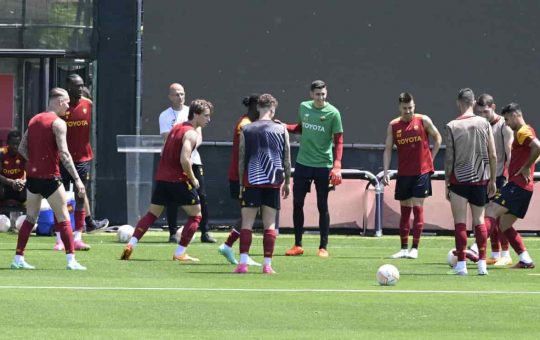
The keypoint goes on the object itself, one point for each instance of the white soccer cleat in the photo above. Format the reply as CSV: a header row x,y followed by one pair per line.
x,y
413,253
482,267
252,262
474,247
74,265
402,254
503,261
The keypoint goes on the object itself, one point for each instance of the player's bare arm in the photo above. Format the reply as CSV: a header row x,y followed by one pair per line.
x,y
448,159
525,170
199,136
241,161
23,146
508,135
188,145
60,131
434,134
387,155
492,153
285,190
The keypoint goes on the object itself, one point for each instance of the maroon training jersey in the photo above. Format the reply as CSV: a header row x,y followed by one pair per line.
x,y
78,120
12,165
170,169
412,142
43,158
233,166
519,156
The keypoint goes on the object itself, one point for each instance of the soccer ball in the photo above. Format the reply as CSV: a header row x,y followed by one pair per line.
x,y
387,275
5,223
124,233
451,258
20,220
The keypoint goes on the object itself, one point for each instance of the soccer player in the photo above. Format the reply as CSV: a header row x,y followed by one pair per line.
x,y
78,120
503,137
12,174
410,133
43,146
319,124
264,165
177,113
514,197
470,168
250,102
175,181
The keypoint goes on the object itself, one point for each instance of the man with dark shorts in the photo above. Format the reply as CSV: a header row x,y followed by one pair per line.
x,y
513,199
410,133
264,165
319,124
12,173
470,168
79,121
44,145
175,181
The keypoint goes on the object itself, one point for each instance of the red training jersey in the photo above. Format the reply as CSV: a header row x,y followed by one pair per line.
x,y
170,168
12,165
521,152
233,166
412,142
43,158
78,121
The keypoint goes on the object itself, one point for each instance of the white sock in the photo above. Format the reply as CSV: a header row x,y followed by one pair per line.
x,y
70,257
495,254
524,257
180,250
267,261
77,235
482,265
58,237
244,258
133,242
19,258
461,266
505,253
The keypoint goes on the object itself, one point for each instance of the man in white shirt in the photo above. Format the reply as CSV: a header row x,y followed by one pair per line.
x,y
177,113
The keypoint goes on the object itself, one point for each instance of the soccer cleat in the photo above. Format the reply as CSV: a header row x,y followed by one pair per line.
x,y
523,265
402,254
59,245
74,265
242,268
474,247
462,272
503,261
268,270
93,226
228,253
482,268
413,253
252,262
322,252
22,264
126,254
294,251
492,260
80,245
185,258
206,238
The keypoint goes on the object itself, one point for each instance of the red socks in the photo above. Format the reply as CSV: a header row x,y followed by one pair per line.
x,y
405,226
79,220
24,235
245,240
418,224
233,236
269,240
480,234
515,240
66,234
189,230
461,240
143,225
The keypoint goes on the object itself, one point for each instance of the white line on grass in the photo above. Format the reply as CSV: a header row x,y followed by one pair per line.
x,y
382,290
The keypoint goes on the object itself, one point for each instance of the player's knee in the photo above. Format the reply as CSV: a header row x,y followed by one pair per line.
x,y
31,218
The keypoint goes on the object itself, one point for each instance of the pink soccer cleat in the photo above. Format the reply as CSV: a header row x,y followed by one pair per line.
x,y
80,245
268,270
59,246
242,268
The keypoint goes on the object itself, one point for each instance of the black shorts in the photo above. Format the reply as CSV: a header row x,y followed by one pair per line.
x,y
255,197
180,193
199,175
413,186
43,187
234,189
500,181
514,198
305,175
475,194
12,195
83,169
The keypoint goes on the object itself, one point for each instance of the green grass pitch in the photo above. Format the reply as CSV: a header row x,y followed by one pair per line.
x,y
153,297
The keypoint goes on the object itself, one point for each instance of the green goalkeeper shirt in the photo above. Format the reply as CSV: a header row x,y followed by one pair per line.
x,y
318,129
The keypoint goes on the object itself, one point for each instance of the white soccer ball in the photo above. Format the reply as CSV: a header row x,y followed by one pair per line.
x,y
451,259
387,275
5,223
20,220
124,233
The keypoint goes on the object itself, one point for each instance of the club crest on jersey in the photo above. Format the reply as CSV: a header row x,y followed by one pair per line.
x,y
323,118
416,127
84,110
306,115
18,161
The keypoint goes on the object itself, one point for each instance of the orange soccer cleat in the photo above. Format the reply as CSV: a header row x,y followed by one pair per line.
x,y
322,253
295,251
127,252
